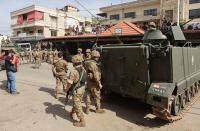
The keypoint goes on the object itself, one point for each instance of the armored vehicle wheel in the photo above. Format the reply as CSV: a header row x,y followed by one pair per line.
x,y
176,106
188,96
183,100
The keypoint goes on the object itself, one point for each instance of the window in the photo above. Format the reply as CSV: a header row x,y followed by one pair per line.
x,y
152,12
53,33
18,32
129,15
24,17
53,21
195,13
114,17
40,31
194,1
31,32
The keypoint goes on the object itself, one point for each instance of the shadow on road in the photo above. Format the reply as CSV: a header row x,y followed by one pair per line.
x,y
47,90
57,110
132,110
3,85
52,92
128,109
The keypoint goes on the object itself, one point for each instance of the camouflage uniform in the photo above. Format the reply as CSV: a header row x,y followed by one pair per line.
x,y
37,59
80,54
22,57
29,56
77,80
55,55
33,54
45,55
60,73
50,57
93,84
26,56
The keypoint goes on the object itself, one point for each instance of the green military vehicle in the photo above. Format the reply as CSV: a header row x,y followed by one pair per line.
x,y
161,71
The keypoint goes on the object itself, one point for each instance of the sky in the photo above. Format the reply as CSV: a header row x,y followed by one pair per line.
x,y
7,6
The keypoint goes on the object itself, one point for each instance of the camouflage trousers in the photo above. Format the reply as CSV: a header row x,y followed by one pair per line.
x,y
37,63
77,103
61,80
50,60
94,93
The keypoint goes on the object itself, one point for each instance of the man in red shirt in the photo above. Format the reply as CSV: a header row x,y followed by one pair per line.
x,y
11,64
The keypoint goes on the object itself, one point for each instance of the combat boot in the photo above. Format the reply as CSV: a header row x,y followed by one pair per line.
x,y
99,110
81,123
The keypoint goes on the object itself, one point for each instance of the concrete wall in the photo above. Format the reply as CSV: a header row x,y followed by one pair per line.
x,y
139,13
54,19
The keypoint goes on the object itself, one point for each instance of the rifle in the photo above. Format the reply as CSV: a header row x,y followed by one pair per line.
x,y
71,90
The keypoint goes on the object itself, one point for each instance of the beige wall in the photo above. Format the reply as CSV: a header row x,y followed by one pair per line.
x,y
173,5
194,6
139,13
47,23
161,5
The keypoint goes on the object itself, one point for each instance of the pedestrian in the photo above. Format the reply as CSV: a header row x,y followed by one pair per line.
x,y
59,70
11,65
93,83
77,82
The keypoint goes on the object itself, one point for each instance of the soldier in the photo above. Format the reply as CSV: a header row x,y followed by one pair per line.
x,y
26,56
29,56
50,56
77,82
45,55
93,83
59,70
33,54
152,26
55,54
88,55
80,53
37,58
22,57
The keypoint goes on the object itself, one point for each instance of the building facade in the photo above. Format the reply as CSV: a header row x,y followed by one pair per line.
x,y
36,22
141,12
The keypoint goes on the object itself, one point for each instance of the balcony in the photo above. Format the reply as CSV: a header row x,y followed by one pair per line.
x,y
27,37
29,24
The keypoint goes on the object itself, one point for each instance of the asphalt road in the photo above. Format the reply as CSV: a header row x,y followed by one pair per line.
x,y
36,109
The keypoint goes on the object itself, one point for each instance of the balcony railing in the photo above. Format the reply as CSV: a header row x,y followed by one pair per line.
x,y
27,37
25,23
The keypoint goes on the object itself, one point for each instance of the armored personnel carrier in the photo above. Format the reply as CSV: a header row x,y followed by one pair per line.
x,y
158,71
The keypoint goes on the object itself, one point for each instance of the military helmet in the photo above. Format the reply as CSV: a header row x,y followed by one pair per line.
x,y
88,51
79,49
152,24
77,59
95,53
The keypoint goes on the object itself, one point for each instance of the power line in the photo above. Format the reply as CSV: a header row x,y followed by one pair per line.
x,y
97,20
